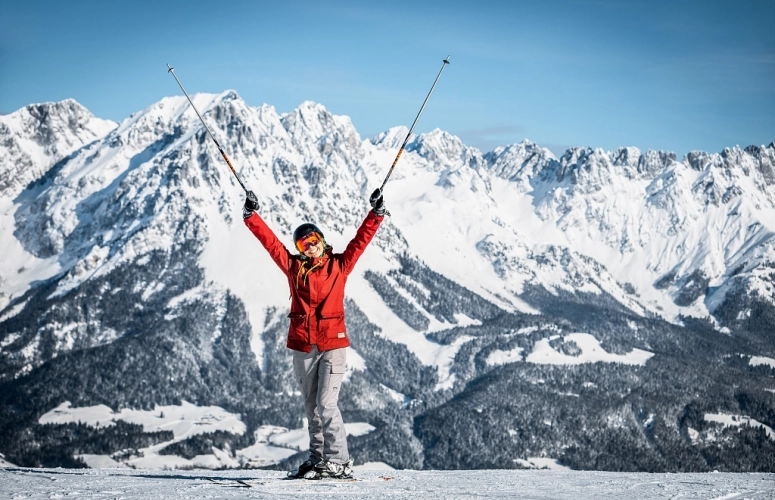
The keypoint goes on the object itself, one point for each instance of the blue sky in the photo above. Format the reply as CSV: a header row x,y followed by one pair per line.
x,y
674,75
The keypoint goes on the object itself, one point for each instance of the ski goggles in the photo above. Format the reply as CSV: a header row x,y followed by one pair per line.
x,y
308,241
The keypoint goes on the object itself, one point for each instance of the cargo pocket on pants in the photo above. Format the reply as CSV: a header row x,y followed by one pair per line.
x,y
338,366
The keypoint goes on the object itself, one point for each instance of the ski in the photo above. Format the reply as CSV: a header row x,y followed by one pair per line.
x,y
316,476
234,483
332,479
238,483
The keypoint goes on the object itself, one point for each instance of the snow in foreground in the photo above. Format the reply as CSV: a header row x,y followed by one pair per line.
x,y
18,483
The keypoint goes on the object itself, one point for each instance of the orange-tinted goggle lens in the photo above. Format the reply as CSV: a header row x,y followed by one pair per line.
x,y
308,241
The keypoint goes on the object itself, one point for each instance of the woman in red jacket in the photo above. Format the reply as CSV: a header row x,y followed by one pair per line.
x,y
317,333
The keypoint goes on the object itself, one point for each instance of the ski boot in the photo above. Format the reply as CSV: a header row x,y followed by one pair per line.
x,y
331,470
307,466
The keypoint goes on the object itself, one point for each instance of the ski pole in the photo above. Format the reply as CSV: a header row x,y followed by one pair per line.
x,y
401,150
172,70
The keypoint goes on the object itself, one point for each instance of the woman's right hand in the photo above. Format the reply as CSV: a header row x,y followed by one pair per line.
x,y
377,202
251,204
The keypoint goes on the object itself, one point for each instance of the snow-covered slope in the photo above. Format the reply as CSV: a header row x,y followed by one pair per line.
x,y
32,141
58,483
677,231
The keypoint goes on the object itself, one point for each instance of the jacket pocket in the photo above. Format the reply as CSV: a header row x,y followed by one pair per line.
x,y
297,318
297,328
331,326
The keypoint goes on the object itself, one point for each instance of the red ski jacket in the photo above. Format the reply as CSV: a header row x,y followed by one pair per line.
x,y
317,285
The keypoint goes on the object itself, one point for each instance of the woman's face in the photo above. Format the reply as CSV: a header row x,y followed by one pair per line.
x,y
311,246
313,251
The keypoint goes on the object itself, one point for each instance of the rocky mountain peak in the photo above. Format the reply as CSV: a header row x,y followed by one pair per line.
x,y
443,150
35,137
391,138
519,162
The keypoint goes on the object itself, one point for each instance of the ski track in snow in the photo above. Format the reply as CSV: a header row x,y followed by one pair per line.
x,y
36,484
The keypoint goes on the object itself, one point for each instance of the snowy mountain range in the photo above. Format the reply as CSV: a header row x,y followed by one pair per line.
x,y
128,280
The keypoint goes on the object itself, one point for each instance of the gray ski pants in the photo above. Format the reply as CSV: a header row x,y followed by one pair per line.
x,y
320,376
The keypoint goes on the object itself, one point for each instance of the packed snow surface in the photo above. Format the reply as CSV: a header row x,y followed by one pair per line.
x,y
18,483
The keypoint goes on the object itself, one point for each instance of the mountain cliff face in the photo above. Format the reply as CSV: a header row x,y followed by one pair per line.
x,y
36,137
600,309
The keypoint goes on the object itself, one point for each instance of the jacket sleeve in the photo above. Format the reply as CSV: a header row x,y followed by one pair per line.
x,y
358,245
279,253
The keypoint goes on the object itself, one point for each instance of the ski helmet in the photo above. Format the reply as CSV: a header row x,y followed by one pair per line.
x,y
306,229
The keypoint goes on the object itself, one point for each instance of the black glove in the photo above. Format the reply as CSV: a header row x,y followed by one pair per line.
x,y
378,203
251,204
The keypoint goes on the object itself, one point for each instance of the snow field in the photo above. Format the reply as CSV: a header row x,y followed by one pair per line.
x,y
591,352
762,360
729,420
38,484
